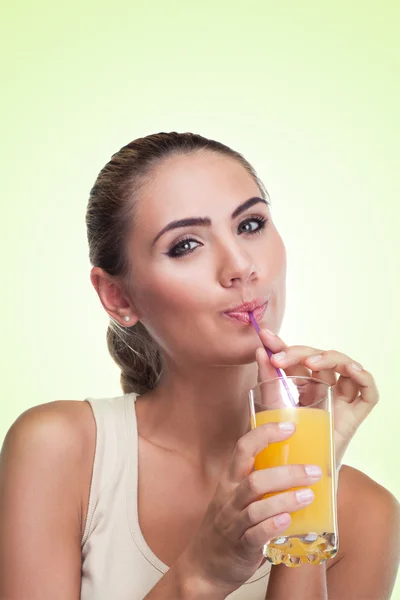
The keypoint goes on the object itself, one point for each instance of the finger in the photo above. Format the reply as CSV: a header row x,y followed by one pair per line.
x,y
276,479
349,369
274,343
312,391
255,537
257,512
249,445
265,369
326,375
323,364
346,389
269,392
368,391
271,340
298,370
293,355
322,360
292,361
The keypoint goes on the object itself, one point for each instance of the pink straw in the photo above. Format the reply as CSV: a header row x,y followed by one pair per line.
x,y
279,371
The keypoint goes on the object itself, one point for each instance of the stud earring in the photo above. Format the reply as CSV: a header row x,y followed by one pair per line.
x,y
126,318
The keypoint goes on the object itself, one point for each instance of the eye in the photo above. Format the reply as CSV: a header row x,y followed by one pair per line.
x,y
182,248
260,221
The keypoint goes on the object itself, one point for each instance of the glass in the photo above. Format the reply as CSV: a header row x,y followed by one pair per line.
x,y
312,536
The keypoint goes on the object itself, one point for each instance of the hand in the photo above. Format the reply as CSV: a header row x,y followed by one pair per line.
x,y
354,394
227,549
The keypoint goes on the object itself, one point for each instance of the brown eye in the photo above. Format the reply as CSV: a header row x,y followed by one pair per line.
x,y
182,248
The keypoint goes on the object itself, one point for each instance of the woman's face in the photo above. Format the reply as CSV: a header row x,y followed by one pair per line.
x,y
186,278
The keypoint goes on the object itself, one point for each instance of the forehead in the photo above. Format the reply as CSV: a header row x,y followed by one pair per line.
x,y
198,184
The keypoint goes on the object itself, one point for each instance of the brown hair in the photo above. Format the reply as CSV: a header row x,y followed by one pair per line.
x,y
108,218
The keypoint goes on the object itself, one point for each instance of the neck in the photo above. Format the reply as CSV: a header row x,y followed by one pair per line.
x,y
200,413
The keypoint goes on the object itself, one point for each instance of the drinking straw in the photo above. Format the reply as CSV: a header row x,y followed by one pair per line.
x,y
280,373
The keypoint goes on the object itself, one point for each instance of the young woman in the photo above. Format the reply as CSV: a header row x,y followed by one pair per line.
x,y
152,494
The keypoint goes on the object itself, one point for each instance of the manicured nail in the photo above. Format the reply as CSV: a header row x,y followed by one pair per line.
x,y
286,426
282,520
314,358
356,367
313,471
304,496
279,356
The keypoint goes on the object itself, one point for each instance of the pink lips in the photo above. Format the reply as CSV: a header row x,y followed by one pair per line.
x,y
241,313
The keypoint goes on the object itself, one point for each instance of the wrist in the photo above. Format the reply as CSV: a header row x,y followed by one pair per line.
x,y
302,583
192,585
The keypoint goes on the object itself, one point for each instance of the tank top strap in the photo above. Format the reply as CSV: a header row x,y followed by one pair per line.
x,y
110,451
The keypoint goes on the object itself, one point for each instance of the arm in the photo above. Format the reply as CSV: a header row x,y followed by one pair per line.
x,y
40,508
181,583
369,540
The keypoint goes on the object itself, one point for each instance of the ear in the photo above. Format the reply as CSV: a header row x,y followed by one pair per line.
x,y
113,297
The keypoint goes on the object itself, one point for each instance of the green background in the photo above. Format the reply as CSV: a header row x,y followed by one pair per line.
x,y
308,91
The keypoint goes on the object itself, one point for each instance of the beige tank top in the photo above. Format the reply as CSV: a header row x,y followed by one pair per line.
x,y
117,563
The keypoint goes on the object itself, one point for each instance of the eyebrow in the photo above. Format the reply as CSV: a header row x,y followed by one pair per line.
x,y
206,221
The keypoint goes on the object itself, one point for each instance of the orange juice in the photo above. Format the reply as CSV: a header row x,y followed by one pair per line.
x,y
310,445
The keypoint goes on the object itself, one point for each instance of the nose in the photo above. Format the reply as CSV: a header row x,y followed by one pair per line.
x,y
236,267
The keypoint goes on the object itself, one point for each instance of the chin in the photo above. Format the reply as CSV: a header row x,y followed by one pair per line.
x,y
240,357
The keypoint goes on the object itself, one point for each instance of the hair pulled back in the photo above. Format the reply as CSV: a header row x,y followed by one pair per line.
x,y
109,215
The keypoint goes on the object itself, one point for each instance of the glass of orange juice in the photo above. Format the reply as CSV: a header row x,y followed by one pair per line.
x,y
312,536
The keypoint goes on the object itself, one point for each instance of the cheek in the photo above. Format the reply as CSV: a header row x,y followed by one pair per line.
x,y
275,274
279,263
168,305
163,292
272,264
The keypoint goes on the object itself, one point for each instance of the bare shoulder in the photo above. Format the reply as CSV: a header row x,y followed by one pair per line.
x,y
60,426
61,432
358,493
43,473
361,501
369,539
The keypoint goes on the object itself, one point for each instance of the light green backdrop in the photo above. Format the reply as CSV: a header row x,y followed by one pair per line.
x,y
308,91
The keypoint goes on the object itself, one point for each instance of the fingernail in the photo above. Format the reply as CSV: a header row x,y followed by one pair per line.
x,y
314,358
282,520
304,495
270,332
313,471
279,355
356,367
286,426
